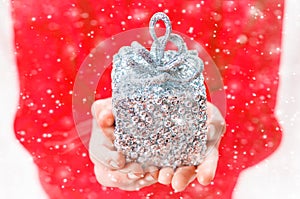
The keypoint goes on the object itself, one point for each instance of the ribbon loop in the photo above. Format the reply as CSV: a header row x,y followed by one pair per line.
x,y
174,38
160,43
182,65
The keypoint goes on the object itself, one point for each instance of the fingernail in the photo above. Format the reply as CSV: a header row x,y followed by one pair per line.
x,y
154,175
133,176
204,181
142,182
113,164
109,121
201,180
149,178
151,169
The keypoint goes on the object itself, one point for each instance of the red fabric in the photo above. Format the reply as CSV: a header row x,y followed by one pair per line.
x,y
52,38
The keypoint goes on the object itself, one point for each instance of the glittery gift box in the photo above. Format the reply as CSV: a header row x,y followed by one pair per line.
x,y
159,102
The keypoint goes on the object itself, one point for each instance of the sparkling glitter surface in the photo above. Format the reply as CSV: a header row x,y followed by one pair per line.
x,y
155,92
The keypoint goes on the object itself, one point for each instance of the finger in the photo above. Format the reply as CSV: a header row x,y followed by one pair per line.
x,y
214,134
182,177
105,122
111,178
216,127
102,111
102,150
137,185
118,179
99,137
216,119
207,169
154,172
99,105
111,159
146,181
165,175
105,118
108,132
133,170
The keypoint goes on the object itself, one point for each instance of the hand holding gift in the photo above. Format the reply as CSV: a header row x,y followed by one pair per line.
x,y
111,169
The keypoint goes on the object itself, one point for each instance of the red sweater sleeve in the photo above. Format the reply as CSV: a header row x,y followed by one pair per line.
x,y
52,38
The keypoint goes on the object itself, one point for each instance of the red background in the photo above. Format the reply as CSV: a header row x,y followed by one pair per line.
x,y
52,38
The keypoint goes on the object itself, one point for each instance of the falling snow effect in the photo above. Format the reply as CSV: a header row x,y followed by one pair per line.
x,y
52,38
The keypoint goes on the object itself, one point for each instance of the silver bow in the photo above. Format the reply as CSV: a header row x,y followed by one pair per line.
x,y
180,66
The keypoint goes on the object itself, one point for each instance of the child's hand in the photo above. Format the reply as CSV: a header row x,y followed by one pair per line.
x,y
110,168
205,172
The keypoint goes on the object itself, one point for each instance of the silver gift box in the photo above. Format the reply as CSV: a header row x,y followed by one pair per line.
x,y
159,102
